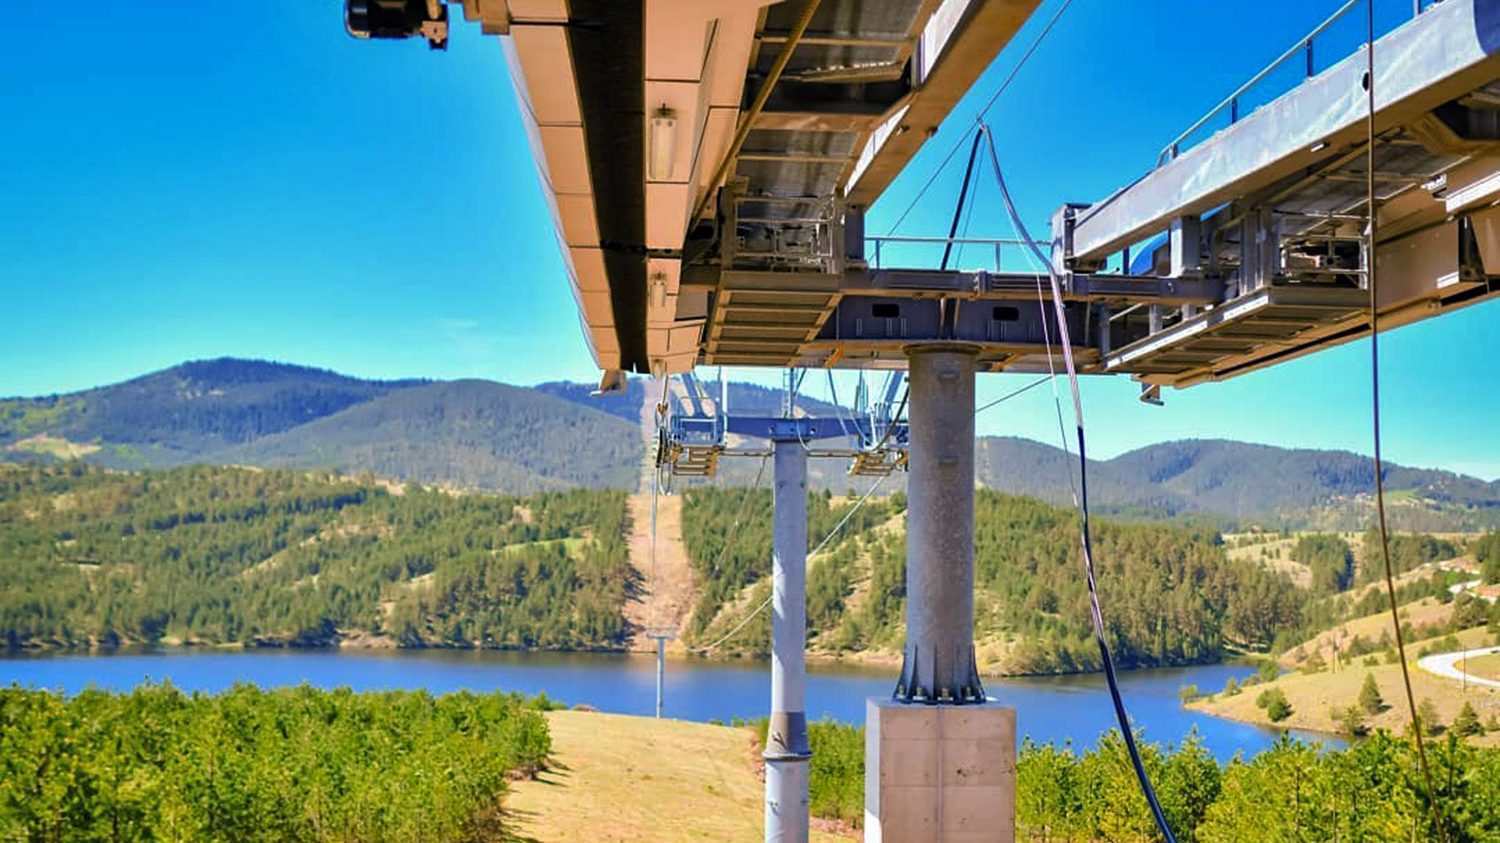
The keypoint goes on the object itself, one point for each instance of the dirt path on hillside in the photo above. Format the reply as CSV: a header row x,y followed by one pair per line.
x,y
667,586
667,591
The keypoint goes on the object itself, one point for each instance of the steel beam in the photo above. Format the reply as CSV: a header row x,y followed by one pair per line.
x,y
1449,50
787,752
938,664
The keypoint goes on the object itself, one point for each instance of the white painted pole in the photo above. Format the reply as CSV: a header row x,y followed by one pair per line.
x,y
787,752
661,656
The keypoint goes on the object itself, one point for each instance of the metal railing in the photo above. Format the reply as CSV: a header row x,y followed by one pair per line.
x,y
997,243
1303,47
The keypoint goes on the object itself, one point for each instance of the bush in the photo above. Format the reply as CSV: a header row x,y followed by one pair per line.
x,y
1188,693
1279,710
1350,721
294,764
1267,670
1432,724
1466,724
1274,701
1369,696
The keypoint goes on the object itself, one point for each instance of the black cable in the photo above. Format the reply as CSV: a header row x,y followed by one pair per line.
x,y
1385,541
963,196
1097,615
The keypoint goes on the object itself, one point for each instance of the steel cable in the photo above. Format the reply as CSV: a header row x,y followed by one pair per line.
x,y
1371,280
810,554
1096,613
979,118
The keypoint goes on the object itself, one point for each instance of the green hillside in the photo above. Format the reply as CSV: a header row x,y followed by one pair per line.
x,y
462,434
481,435
180,414
218,555
1171,594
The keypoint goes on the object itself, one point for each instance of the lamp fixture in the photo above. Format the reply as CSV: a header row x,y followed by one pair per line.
x,y
663,144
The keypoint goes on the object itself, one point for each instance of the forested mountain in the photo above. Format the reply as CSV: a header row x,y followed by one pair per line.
x,y
623,405
1173,596
1238,481
476,434
463,434
469,434
180,414
275,557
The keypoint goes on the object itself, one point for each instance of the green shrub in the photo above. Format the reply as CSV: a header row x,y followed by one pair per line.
x,y
1369,696
295,764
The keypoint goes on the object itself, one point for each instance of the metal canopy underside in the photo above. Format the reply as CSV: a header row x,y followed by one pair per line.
x,y
633,109
708,163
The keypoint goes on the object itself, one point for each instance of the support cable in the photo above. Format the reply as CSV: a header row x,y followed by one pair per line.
x,y
963,196
1013,393
979,118
1097,615
833,395
1371,280
895,418
810,554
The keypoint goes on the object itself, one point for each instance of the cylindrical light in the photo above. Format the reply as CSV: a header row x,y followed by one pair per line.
x,y
658,291
663,143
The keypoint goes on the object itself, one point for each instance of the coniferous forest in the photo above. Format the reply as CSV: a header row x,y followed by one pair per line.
x,y
227,555
1172,596
203,555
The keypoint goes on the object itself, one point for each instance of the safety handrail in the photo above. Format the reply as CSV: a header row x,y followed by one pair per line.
x,y
1303,46
880,240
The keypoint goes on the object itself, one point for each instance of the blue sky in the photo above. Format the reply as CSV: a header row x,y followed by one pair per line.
x,y
257,184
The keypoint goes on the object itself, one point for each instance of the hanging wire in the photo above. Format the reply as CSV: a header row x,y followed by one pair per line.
x,y
833,397
810,554
979,118
1013,393
895,417
653,610
1371,279
1097,615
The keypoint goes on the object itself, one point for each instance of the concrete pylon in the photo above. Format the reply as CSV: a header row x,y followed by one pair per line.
x,y
940,758
938,664
787,752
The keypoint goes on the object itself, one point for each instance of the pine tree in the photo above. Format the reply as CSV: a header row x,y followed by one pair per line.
x,y
1432,724
1369,696
1466,724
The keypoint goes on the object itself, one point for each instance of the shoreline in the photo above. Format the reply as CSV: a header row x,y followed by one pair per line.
x,y
358,645
1315,698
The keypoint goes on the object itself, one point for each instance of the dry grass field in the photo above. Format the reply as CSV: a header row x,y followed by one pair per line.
x,y
636,779
1312,696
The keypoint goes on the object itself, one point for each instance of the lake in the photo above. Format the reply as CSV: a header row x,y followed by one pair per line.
x,y
1056,709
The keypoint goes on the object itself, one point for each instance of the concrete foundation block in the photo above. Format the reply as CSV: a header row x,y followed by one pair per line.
x,y
939,773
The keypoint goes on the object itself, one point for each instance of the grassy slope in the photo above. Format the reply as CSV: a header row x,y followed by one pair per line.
x,y
1485,667
1312,695
619,778
1419,613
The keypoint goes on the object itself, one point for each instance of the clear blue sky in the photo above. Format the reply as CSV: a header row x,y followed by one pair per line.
x,y
252,182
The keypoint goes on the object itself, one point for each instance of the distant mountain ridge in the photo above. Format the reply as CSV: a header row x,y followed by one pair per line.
x,y
1302,487
475,434
468,434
